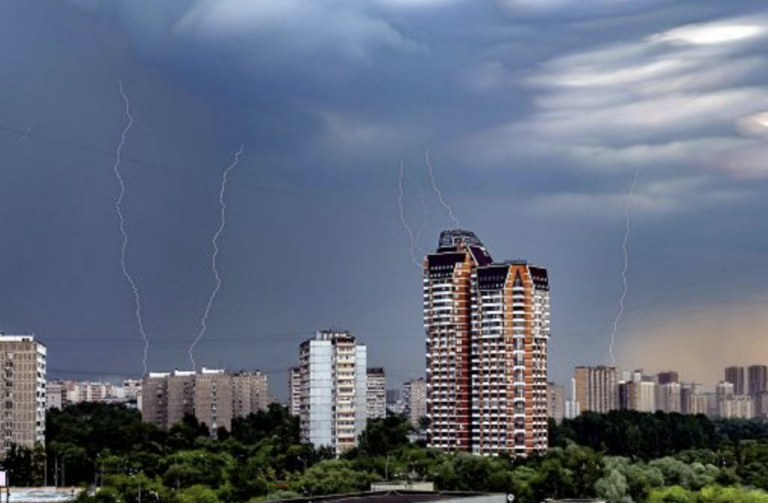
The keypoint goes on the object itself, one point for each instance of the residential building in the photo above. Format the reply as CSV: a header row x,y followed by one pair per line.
x,y
556,400
448,325
757,379
54,394
487,328
294,390
597,388
154,398
641,396
571,405
250,393
213,399
377,393
333,402
667,377
736,376
414,397
181,395
23,387
668,397
692,399
736,406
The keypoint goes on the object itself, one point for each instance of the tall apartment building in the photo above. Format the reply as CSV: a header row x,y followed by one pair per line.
x,y
757,379
556,401
23,390
597,388
294,390
668,397
737,377
181,396
213,402
641,395
414,398
377,393
487,328
154,396
250,393
333,402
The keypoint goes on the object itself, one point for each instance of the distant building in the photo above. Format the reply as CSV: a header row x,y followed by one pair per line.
x,y
668,397
692,399
641,396
414,398
377,393
667,377
597,388
736,376
571,405
333,408
181,395
54,394
556,400
24,361
757,377
736,407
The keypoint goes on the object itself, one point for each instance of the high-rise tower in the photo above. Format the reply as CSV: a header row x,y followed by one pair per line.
x,y
487,327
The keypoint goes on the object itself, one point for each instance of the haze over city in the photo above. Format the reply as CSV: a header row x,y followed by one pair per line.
x,y
537,115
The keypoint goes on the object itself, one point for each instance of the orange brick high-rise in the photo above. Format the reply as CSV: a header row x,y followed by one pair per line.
x,y
487,328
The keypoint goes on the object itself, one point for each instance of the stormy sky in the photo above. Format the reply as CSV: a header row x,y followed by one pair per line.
x,y
537,114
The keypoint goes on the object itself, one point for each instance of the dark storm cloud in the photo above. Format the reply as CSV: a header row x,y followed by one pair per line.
x,y
536,113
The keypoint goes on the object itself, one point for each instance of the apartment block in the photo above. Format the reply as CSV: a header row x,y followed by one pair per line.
x,y
757,380
487,329
737,376
641,396
213,399
377,393
333,396
668,397
23,388
556,401
250,393
414,397
597,388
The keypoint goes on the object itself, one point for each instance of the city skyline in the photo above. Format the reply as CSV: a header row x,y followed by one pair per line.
x,y
534,150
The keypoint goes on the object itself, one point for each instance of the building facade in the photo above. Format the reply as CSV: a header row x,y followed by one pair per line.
x,y
597,388
294,390
250,393
737,376
333,395
414,397
213,397
487,330
556,402
24,361
377,393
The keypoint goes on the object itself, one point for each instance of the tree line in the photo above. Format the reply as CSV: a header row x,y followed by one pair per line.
x,y
621,456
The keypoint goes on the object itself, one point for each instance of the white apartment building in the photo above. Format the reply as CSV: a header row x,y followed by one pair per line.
x,y
333,390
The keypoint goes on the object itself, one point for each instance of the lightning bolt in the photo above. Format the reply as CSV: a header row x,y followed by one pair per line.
x,y
439,192
215,255
424,224
402,217
118,209
624,243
